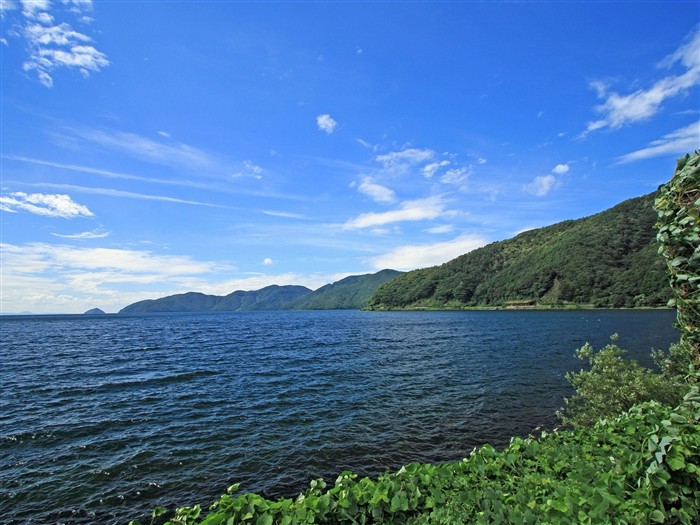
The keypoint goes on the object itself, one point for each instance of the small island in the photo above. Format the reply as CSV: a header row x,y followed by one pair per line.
x,y
95,311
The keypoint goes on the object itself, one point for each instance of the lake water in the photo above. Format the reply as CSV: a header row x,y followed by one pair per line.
x,y
102,418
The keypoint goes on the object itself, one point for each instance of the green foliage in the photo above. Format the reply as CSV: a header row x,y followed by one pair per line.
x,y
613,385
606,260
678,208
642,466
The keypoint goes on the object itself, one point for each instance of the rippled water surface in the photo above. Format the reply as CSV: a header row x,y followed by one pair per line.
x,y
101,418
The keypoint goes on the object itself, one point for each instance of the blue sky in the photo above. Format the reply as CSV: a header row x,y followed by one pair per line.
x,y
151,148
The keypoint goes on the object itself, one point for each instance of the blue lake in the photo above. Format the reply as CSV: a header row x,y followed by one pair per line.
x,y
102,418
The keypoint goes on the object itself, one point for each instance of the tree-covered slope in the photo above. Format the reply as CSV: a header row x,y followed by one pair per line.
x,y
608,260
350,293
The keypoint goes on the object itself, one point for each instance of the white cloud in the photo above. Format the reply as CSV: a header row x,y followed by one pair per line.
x,y
45,278
410,257
541,185
430,169
414,210
618,110
375,191
267,261
561,169
683,140
326,123
94,234
48,205
55,45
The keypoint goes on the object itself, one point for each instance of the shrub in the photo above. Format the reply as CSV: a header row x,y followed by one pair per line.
x,y
614,385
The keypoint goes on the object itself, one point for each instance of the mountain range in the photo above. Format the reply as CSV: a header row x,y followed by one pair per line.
x,y
350,293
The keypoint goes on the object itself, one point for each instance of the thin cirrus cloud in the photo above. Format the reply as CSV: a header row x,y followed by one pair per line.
x,y
54,44
680,141
128,194
413,210
410,257
94,234
618,110
173,154
45,204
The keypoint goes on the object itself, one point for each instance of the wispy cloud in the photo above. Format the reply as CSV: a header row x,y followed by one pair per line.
x,y
414,256
94,234
170,153
683,140
443,228
400,162
48,205
413,210
52,44
376,191
618,110
250,169
430,169
326,123
284,214
206,185
456,177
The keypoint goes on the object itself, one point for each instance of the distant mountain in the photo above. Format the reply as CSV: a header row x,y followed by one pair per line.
x,y
606,260
94,311
269,298
351,292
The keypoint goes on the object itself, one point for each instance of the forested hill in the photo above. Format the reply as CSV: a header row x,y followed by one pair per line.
x,y
606,260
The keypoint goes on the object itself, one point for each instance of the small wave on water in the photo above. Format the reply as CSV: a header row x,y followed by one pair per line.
x,y
101,420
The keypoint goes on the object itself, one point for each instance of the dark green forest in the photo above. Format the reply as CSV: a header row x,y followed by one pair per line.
x,y
606,260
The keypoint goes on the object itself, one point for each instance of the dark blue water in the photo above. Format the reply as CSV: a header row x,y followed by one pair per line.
x,y
101,418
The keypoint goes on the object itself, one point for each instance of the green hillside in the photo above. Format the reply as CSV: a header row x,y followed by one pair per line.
x,y
350,293
605,260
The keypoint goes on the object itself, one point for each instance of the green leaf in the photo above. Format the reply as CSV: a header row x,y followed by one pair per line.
x,y
657,516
